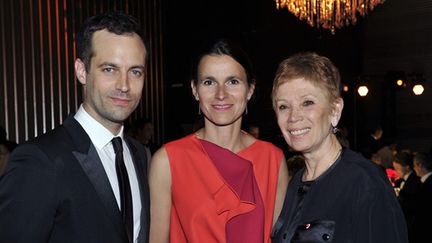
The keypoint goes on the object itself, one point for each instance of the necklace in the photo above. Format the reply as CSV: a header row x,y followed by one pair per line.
x,y
329,165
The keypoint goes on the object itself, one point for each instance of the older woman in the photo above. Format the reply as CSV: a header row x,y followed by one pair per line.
x,y
219,184
339,196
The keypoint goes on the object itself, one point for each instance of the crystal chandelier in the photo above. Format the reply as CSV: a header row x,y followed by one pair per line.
x,y
328,14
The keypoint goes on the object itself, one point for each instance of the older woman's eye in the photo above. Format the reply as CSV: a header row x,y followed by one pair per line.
x,y
282,107
308,103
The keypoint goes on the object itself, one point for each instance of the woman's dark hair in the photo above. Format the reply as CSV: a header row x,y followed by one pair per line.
x,y
229,48
114,22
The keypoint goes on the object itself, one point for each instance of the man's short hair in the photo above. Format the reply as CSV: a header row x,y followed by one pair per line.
x,y
114,22
424,160
403,158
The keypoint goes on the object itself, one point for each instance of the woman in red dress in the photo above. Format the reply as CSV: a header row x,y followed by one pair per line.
x,y
219,184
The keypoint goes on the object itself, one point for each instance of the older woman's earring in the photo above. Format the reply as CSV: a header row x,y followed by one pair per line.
x,y
199,110
246,110
334,129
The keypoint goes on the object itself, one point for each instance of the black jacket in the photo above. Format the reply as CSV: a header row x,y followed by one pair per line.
x,y
352,202
55,190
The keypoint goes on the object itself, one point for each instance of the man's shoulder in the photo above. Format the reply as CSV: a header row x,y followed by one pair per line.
x,y
51,138
135,143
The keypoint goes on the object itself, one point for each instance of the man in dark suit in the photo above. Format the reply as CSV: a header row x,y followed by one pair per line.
x,y
72,184
423,168
408,186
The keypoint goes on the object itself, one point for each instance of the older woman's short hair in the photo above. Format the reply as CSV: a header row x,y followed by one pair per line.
x,y
311,67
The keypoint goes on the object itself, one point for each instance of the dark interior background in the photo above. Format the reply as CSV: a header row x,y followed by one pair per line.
x,y
38,88
395,37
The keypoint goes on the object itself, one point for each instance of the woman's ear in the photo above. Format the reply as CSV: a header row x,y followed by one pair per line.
x,y
194,90
338,105
251,91
80,71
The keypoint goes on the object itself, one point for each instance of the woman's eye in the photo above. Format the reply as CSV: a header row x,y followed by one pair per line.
x,y
207,82
233,82
282,107
308,103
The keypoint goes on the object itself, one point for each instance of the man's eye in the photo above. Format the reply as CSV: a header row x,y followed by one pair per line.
x,y
108,70
137,73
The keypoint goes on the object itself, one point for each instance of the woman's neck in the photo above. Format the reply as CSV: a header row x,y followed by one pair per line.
x,y
320,160
230,137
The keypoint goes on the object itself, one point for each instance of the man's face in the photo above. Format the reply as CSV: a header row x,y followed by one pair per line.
x,y
417,169
114,83
400,169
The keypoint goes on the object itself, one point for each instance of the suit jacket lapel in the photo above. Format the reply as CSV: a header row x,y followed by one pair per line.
x,y
90,162
140,160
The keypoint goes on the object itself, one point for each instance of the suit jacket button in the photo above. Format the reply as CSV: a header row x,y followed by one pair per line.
x,y
326,237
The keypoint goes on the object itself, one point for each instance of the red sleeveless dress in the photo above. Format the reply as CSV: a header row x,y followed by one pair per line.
x,y
204,203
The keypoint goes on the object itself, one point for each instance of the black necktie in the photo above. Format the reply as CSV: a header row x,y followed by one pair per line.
x,y
124,186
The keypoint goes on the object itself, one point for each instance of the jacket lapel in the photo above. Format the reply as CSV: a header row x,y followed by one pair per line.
x,y
91,164
139,160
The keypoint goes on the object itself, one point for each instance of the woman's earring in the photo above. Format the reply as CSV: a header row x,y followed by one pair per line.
x,y
246,110
199,109
334,129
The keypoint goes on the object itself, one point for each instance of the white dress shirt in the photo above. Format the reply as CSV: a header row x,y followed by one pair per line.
x,y
101,138
424,178
405,178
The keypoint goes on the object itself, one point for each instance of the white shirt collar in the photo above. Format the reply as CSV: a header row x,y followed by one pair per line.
x,y
99,135
424,178
405,177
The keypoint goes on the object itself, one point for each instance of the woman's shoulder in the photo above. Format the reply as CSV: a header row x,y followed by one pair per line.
x,y
261,144
263,149
181,143
362,170
357,162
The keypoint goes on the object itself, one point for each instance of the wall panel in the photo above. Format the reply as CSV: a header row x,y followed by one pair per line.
x,y
398,37
38,88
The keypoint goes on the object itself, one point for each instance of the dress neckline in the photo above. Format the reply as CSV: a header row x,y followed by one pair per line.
x,y
253,144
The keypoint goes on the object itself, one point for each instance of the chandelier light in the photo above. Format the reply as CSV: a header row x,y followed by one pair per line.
x,y
328,14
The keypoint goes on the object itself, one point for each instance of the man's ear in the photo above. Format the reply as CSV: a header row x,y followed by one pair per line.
x,y
194,90
80,71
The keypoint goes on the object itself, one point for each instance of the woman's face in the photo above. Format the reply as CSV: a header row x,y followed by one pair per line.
x,y
305,114
222,89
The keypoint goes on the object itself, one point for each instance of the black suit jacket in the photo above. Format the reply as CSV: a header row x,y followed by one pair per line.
x,y
409,200
408,195
55,189
424,214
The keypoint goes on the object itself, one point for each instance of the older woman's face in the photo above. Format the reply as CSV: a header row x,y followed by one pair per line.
x,y
222,89
304,114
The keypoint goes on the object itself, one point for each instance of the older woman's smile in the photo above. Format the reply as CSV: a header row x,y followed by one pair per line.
x,y
299,131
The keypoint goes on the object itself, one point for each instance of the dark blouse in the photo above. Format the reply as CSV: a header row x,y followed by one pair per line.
x,y
353,201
